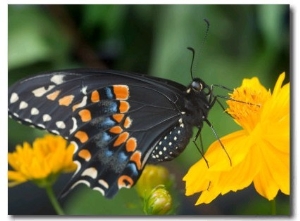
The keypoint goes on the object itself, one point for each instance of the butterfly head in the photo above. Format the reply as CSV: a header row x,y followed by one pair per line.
x,y
198,86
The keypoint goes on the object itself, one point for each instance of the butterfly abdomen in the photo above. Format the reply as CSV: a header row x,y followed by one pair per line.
x,y
172,143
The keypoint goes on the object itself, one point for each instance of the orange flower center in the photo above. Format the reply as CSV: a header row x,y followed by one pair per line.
x,y
246,103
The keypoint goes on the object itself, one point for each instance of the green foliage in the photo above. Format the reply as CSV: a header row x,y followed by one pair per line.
x,y
84,201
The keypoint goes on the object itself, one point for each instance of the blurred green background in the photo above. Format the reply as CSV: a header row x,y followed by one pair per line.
x,y
243,41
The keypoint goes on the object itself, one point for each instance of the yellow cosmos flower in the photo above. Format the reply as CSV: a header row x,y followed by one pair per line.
x,y
41,163
259,153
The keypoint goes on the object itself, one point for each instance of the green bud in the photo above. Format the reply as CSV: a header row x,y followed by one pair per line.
x,y
159,202
151,177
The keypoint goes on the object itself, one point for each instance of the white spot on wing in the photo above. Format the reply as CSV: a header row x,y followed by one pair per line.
x,y
81,104
57,79
16,115
41,126
77,162
54,131
103,183
27,120
79,182
91,172
42,90
46,117
74,125
83,90
23,105
14,97
100,190
34,111
75,146
60,125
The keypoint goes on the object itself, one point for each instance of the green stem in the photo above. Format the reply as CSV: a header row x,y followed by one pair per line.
x,y
273,207
53,200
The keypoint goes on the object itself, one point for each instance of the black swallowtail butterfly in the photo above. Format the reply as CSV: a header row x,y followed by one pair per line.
x,y
118,121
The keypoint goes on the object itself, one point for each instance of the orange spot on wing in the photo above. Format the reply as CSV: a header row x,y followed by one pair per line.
x,y
127,122
118,117
116,130
121,139
53,95
85,115
131,144
95,96
124,106
85,154
121,92
125,181
66,100
82,136
136,158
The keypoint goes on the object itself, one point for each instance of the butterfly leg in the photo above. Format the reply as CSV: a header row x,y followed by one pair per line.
x,y
201,151
215,99
216,135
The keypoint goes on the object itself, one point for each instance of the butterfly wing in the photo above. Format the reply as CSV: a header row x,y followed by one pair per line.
x,y
115,120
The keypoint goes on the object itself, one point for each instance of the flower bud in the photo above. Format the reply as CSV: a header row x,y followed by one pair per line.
x,y
151,177
159,201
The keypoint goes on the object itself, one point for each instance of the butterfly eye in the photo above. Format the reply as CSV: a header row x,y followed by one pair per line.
x,y
197,86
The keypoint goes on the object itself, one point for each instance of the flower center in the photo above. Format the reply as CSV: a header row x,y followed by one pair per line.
x,y
246,105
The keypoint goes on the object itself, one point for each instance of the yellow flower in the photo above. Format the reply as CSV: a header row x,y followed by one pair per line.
x,y
259,153
41,163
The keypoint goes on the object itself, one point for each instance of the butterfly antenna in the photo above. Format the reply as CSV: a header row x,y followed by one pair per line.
x,y
193,50
191,69
206,32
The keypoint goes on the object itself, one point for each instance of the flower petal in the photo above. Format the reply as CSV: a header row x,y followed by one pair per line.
x,y
278,84
235,145
277,164
196,178
15,178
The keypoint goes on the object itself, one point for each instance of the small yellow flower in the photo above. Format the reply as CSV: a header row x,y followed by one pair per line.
x,y
46,159
259,153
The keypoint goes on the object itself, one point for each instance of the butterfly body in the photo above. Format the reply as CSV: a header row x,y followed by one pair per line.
x,y
117,121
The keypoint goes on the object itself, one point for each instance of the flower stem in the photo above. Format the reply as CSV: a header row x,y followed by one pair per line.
x,y
273,207
53,200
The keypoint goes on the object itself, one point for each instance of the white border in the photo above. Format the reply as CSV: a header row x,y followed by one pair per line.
x,y
295,19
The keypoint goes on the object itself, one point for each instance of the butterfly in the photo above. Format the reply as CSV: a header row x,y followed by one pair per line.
x,y
118,121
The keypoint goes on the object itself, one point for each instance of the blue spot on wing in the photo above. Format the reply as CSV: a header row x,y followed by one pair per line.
x,y
132,170
108,106
122,156
109,93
